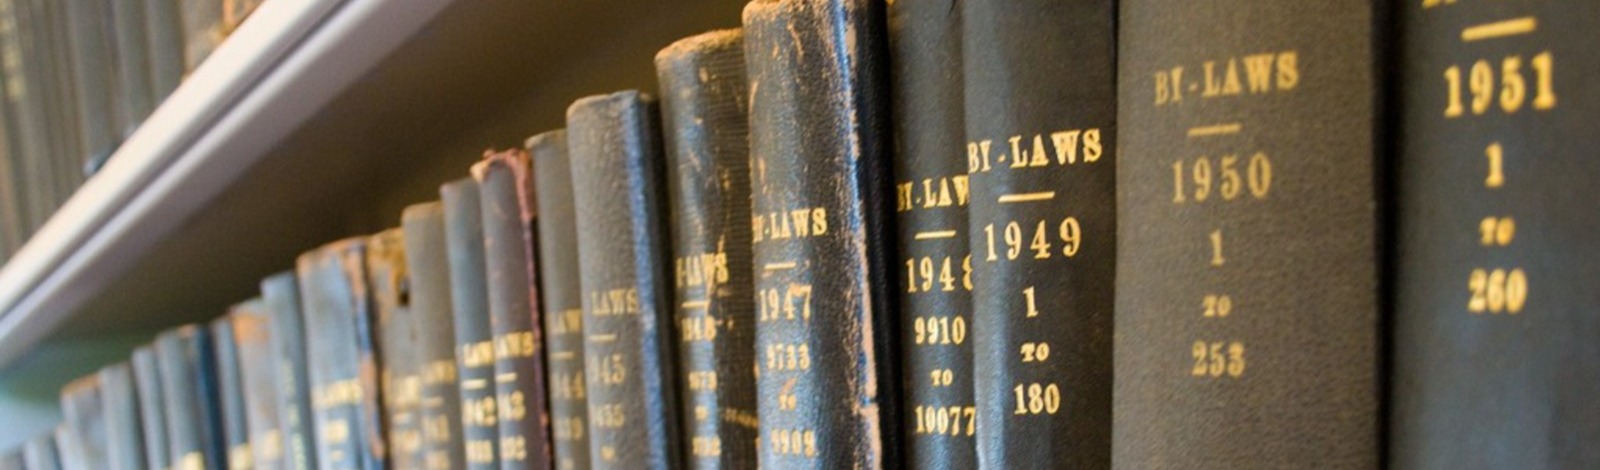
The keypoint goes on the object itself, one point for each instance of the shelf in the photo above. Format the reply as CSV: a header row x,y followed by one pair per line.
x,y
315,121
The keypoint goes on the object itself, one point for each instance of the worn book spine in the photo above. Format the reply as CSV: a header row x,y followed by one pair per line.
x,y
94,78
561,300
164,42
705,114
230,393
152,407
258,367
828,379
508,207
389,284
615,145
12,76
66,126
1039,81
203,30
83,414
439,401
280,296
341,344
40,453
189,390
24,89
134,101
1494,362
469,298
120,400
1240,148
931,194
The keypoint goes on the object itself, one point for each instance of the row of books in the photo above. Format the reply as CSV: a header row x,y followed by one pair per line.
x,y
936,234
79,76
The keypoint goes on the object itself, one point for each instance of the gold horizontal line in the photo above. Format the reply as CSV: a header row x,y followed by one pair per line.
x,y
934,234
1219,129
1028,197
474,384
702,303
506,378
1499,29
605,338
563,355
780,266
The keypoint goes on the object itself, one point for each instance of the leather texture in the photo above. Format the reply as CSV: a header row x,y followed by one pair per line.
x,y
340,336
252,336
152,409
399,370
83,414
280,295
509,217
230,392
828,387
1032,69
617,171
561,300
931,199
189,386
469,295
705,114
428,262
120,399
1512,383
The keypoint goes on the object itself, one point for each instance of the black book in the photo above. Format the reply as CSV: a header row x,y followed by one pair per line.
x,y
119,398
506,195
258,368
615,146
561,300
1039,80
134,101
94,78
931,195
230,393
346,400
428,264
396,334
164,39
190,392
705,112
83,415
828,383
152,406
469,298
1495,363
280,296
40,452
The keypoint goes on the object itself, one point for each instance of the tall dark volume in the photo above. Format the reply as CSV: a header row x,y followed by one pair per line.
x,y
152,406
561,300
1495,359
189,390
615,145
235,433
83,414
340,343
258,366
395,329
1040,119
439,403
280,294
504,188
469,297
1247,292
828,383
94,78
931,194
705,112
119,398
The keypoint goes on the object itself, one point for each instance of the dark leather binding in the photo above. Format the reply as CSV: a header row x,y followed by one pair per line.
x,y
152,406
705,113
1495,360
931,197
280,294
344,360
189,386
828,383
134,99
164,33
120,400
40,453
469,297
258,367
83,414
1247,292
507,204
230,394
615,145
561,300
439,404
94,76
1041,74
398,373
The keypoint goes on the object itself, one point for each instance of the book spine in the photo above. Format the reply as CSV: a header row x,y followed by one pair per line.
x,y
345,394
152,409
202,30
615,147
93,60
84,416
19,190
428,262
508,216
828,383
134,101
230,394
40,453
1494,271
705,115
398,375
561,300
118,395
280,296
24,78
66,128
164,36
189,389
258,365
1039,94
469,297
1240,147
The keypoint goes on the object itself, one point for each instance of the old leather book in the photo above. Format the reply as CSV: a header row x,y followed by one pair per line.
x,y
705,111
439,403
280,294
398,373
189,386
1495,364
152,406
258,368
346,396
83,414
617,167
561,300
164,34
1241,149
119,398
134,100
93,58
828,384
469,297
235,432
509,214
